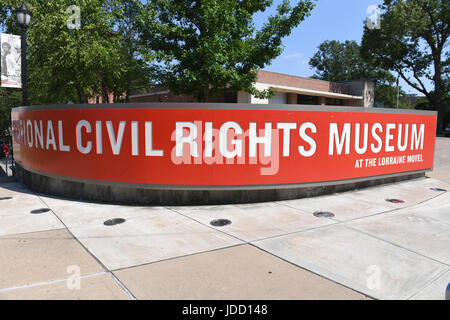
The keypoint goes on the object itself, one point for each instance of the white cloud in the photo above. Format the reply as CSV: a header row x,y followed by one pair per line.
x,y
293,55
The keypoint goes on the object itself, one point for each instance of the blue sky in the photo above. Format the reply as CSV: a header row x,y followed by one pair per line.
x,y
329,20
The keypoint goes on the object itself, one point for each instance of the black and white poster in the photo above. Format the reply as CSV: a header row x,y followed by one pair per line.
x,y
10,61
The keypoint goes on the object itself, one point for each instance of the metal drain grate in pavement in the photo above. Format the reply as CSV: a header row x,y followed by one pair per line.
x,y
38,211
5,198
113,222
220,222
323,214
438,189
395,200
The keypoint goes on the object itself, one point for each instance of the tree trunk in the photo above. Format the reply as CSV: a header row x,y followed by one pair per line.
x,y
105,94
127,95
82,99
202,95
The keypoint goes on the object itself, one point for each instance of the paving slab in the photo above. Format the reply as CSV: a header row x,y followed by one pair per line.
x,y
441,168
371,201
404,246
14,188
359,261
149,234
378,195
424,184
437,208
342,207
419,233
42,256
255,221
78,213
441,214
435,290
97,287
15,213
241,272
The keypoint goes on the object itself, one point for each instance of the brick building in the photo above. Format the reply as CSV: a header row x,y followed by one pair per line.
x,y
289,90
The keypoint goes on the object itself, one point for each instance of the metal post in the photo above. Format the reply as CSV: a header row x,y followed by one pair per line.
x,y
24,67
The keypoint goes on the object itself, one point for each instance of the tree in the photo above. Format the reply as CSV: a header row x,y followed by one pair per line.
x,y
99,58
424,104
205,46
73,64
9,98
412,42
341,61
136,73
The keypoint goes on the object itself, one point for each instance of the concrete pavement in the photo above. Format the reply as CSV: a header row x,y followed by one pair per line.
x,y
279,250
441,160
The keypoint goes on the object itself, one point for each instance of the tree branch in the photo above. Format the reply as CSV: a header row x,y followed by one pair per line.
x,y
436,29
412,84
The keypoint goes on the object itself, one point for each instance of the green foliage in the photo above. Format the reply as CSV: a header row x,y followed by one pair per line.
x,y
71,65
387,94
9,98
424,104
413,41
340,61
205,46
200,46
135,73
405,105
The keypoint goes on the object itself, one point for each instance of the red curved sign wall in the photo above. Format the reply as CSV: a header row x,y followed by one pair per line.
x,y
221,147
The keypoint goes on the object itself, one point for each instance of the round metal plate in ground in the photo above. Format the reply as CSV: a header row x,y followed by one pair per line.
x,y
5,198
395,200
220,222
114,221
323,214
38,211
438,189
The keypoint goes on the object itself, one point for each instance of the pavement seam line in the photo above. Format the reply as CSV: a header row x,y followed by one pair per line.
x,y
210,227
133,266
311,271
339,221
249,242
371,215
38,284
397,245
120,284
183,256
411,207
29,232
127,291
428,283
342,223
259,239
